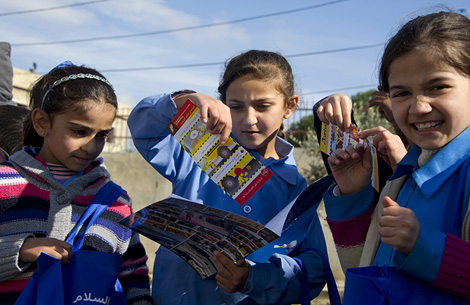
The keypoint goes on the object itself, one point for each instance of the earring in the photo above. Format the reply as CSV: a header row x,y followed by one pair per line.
x,y
43,133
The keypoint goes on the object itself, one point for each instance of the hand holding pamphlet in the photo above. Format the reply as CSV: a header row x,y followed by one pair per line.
x,y
332,138
194,231
229,165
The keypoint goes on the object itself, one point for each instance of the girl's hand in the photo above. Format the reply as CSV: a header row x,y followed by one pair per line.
x,y
213,112
399,226
336,109
33,246
352,168
381,99
231,277
389,146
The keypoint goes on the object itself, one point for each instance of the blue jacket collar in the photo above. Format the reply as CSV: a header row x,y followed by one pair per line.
x,y
285,167
439,168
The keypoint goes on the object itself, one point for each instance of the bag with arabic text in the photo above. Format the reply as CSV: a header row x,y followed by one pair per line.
x,y
89,278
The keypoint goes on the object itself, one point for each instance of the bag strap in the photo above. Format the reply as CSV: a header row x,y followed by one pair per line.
x,y
452,220
105,197
333,293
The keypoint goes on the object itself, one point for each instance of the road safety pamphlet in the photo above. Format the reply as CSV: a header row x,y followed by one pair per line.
x,y
194,231
229,165
332,138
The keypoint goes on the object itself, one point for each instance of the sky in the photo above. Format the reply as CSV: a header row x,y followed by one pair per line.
x,y
147,47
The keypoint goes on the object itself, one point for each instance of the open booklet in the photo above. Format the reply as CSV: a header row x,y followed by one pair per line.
x,y
332,138
229,165
194,231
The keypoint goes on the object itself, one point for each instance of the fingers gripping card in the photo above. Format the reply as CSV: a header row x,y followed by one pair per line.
x,y
229,165
333,138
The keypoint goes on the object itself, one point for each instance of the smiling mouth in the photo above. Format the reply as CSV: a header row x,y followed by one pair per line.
x,y
427,126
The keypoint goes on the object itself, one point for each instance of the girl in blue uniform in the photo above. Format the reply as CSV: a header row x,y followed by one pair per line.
x,y
420,227
257,93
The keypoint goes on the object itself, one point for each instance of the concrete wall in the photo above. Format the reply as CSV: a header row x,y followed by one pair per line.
x,y
143,184
146,186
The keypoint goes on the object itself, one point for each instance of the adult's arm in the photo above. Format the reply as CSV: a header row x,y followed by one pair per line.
x,y
6,75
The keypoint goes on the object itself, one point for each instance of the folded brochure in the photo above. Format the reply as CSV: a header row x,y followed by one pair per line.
x,y
194,231
229,165
332,138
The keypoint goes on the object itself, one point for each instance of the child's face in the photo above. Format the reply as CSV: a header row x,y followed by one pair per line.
x,y
430,99
257,109
74,139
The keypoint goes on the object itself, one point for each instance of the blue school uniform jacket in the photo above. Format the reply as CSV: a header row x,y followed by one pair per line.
x,y
174,281
428,191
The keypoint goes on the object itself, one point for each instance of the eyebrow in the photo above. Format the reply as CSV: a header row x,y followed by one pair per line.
x,y
234,101
260,100
396,87
437,79
427,83
78,125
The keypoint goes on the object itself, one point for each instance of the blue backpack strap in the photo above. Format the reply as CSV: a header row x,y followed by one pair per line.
x,y
330,280
304,290
105,197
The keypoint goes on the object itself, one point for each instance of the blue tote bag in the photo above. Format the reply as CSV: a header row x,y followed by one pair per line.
x,y
385,285
89,277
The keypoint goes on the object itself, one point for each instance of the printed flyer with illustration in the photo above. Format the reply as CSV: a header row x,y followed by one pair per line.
x,y
229,165
332,138
194,231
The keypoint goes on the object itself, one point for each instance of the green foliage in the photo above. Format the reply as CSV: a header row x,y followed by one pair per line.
x,y
367,117
298,130
316,169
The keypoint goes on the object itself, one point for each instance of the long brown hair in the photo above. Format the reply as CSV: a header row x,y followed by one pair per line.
x,y
445,35
264,65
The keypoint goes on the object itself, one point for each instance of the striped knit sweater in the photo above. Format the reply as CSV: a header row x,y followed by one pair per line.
x,y
34,204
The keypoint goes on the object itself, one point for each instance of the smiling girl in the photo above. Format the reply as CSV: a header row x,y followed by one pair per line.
x,y
420,227
256,95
